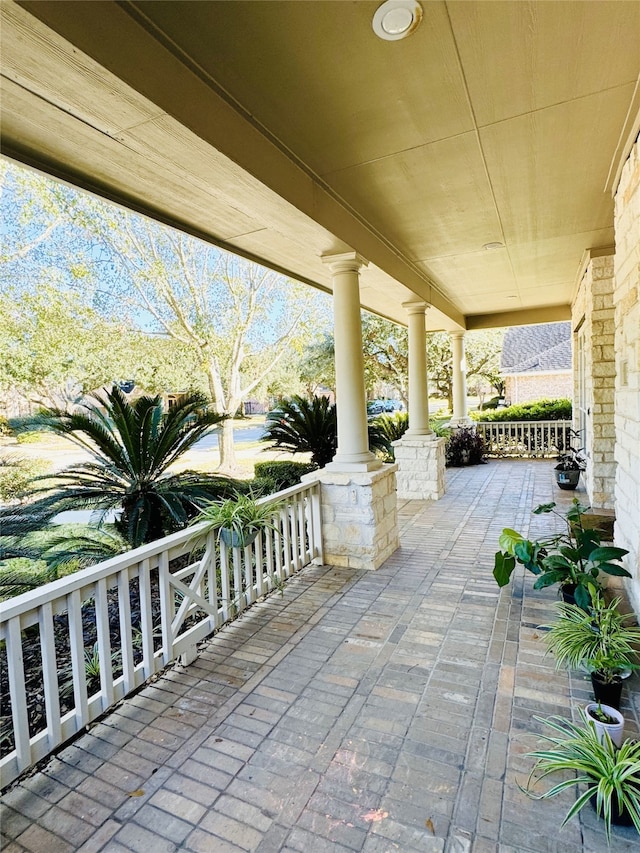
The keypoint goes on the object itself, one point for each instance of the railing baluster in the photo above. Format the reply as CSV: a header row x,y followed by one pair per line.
x,y
317,550
239,596
146,619
258,551
270,551
225,581
126,638
76,643
18,693
249,588
212,581
104,644
50,674
167,608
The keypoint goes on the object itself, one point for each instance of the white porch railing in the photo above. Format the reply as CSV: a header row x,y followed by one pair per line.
x,y
140,611
525,438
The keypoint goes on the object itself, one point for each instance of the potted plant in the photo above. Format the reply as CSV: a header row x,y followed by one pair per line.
x,y
599,639
610,775
237,520
570,464
607,721
571,559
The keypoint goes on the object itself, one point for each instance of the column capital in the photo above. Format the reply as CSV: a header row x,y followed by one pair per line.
x,y
460,333
416,307
344,262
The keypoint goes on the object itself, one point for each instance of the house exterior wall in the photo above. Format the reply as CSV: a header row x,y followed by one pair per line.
x,y
594,372
626,299
528,387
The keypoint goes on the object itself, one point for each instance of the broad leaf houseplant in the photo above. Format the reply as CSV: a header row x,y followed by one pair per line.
x,y
571,559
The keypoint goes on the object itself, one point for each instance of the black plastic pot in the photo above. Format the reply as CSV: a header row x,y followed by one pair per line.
x,y
618,818
567,479
607,692
567,591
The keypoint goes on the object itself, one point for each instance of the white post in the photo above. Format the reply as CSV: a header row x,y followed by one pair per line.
x,y
353,452
357,492
460,417
418,392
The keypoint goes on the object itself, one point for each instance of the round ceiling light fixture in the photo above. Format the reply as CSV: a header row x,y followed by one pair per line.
x,y
396,19
489,246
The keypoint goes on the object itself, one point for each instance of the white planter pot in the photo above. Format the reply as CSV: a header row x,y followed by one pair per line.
x,y
614,730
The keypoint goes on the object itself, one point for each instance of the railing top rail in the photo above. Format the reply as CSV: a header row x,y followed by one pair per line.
x,y
563,421
33,599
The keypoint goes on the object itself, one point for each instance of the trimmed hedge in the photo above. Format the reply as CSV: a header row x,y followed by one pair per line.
x,y
283,473
540,410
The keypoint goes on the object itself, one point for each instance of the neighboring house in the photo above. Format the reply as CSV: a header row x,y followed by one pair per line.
x,y
536,362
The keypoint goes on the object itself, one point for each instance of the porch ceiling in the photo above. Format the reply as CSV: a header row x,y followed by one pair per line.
x,y
285,130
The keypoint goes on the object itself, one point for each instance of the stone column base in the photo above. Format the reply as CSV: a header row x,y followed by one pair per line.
x,y
421,464
359,516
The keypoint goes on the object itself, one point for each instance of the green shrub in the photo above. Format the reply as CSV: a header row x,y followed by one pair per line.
x,y
16,474
29,437
464,446
540,410
283,473
492,403
5,429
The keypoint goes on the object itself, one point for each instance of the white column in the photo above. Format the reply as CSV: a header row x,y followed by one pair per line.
x,y
460,416
418,392
353,452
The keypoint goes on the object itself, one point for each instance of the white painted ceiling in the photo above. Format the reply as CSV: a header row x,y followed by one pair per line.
x,y
285,129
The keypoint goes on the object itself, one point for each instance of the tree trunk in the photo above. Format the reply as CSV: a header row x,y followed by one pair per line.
x,y
228,462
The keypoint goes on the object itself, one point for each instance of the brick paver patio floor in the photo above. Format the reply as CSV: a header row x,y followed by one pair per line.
x,y
356,711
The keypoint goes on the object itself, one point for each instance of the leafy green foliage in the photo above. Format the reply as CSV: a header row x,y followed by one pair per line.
x,y
541,410
284,473
16,474
572,559
598,638
132,445
609,774
302,425
241,516
465,446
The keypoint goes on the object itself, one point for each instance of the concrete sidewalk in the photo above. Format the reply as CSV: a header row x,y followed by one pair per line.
x,y
374,712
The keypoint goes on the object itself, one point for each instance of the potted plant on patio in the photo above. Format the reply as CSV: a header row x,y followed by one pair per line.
x,y
607,777
571,559
237,520
607,721
599,639
568,470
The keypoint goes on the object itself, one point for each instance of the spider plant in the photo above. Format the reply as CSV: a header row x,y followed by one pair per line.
x,y
598,639
611,776
237,520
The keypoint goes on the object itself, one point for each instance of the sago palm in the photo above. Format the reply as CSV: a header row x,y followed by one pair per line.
x,y
301,425
133,444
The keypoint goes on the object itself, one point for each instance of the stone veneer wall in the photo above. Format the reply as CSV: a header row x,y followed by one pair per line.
x,y
627,352
359,516
529,387
421,467
593,312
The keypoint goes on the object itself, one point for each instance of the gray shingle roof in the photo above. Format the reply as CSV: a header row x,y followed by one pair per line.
x,y
536,348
